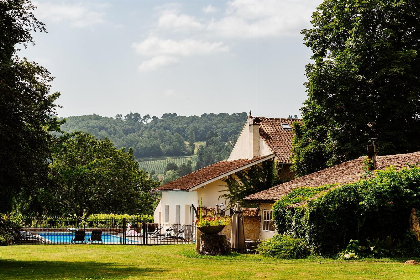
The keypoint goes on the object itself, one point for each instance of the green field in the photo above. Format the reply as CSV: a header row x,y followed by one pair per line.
x,y
180,262
159,164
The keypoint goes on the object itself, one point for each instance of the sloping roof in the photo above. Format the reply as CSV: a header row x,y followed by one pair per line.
x,y
211,173
346,172
277,137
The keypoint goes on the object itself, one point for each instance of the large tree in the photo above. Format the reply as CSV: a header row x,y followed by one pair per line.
x,y
92,176
363,82
26,107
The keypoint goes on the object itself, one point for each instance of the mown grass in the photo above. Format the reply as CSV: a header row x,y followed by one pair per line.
x,y
180,262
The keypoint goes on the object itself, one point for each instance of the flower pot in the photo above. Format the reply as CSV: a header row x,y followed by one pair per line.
x,y
211,229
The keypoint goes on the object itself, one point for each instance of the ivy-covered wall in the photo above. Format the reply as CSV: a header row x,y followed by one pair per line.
x,y
374,209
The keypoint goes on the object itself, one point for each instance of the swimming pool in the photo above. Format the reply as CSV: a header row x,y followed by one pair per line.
x,y
66,238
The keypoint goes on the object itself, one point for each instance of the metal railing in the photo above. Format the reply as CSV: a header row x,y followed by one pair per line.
x,y
124,232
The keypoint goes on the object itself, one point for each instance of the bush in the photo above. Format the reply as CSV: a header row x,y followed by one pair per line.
x,y
373,211
8,231
284,247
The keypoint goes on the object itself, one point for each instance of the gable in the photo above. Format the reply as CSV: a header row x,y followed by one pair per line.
x,y
263,136
211,173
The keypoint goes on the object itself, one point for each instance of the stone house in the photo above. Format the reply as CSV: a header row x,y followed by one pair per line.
x,y
346,172
261,139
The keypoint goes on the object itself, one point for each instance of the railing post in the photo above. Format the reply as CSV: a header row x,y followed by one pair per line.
x,y
124,231
144,226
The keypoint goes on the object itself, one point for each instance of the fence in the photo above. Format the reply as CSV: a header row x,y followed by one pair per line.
x,y
111,231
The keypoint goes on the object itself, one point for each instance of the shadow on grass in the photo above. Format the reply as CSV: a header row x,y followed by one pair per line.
x,y
13,269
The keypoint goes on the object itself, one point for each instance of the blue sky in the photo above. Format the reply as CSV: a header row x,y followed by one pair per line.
x,y
185,57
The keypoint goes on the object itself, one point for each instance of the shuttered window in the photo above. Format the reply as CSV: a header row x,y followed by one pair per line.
x,y
166,213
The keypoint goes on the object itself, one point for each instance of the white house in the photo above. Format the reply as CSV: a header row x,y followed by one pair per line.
x,y
261,139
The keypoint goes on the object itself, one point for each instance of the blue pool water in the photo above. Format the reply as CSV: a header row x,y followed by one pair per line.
x,y
66,237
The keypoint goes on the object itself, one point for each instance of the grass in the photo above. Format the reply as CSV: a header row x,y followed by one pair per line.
x,y
180,262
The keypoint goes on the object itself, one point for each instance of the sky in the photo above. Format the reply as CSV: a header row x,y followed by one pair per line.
x,y
187,57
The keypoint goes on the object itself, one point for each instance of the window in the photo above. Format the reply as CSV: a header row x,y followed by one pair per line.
x,y
177,214
268,224
286,126
166,213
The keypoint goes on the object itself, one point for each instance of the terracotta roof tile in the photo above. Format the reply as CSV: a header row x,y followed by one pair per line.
x,y
208,173
346,172
277,136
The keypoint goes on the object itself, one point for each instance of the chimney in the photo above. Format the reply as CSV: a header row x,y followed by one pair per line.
x,y
254,138
371,153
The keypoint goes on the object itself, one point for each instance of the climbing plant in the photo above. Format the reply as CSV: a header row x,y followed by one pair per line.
x,y
370,210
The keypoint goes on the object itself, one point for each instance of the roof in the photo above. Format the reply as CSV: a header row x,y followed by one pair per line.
x,y
277,136
346,172
211,173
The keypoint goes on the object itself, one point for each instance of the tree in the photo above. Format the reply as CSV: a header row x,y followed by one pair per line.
x,y
215,150
91,176
185,168
170,175
249,181
171,166
364,82
27,108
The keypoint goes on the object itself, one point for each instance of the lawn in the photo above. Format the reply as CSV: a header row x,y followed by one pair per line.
x,y
180,262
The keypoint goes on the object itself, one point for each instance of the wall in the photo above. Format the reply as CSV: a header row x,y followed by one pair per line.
x,y
251,228
265,234
249,144
172,198
210,194
286,174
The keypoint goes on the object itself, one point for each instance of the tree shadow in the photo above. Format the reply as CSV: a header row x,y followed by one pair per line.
x,y
13,269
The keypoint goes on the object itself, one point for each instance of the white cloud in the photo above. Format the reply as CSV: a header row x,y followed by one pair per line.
x,y
209,9
167,52
157,62
154,46
242,19
169,92
263,18
78,15
181,22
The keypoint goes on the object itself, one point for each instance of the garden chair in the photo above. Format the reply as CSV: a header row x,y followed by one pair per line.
x,y
79,236
156,233
178,231
96,236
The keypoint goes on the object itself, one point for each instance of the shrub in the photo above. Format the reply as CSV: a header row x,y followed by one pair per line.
x,y
8,230
373,211
284,247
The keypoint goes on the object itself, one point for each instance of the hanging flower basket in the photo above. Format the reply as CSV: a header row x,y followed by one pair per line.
x,y
211,229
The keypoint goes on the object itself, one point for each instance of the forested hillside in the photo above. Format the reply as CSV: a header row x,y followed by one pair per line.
x,y
168,136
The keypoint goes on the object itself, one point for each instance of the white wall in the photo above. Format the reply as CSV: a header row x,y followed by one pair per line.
x,y
211,192
249,144
173,198
263,233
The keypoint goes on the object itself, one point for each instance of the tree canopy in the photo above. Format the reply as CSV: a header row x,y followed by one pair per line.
x,y
26,105
364,82
156,137
91,176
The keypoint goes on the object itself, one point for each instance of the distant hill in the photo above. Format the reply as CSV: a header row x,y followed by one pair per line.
x,y
168,136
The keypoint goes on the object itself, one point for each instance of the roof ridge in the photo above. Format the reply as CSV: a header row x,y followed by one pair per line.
x,y
342,173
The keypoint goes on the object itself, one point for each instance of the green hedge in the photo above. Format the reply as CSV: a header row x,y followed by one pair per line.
x,y
94,220
372,209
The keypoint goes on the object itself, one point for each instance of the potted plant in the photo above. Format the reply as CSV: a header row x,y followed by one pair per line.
x,y
212,225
